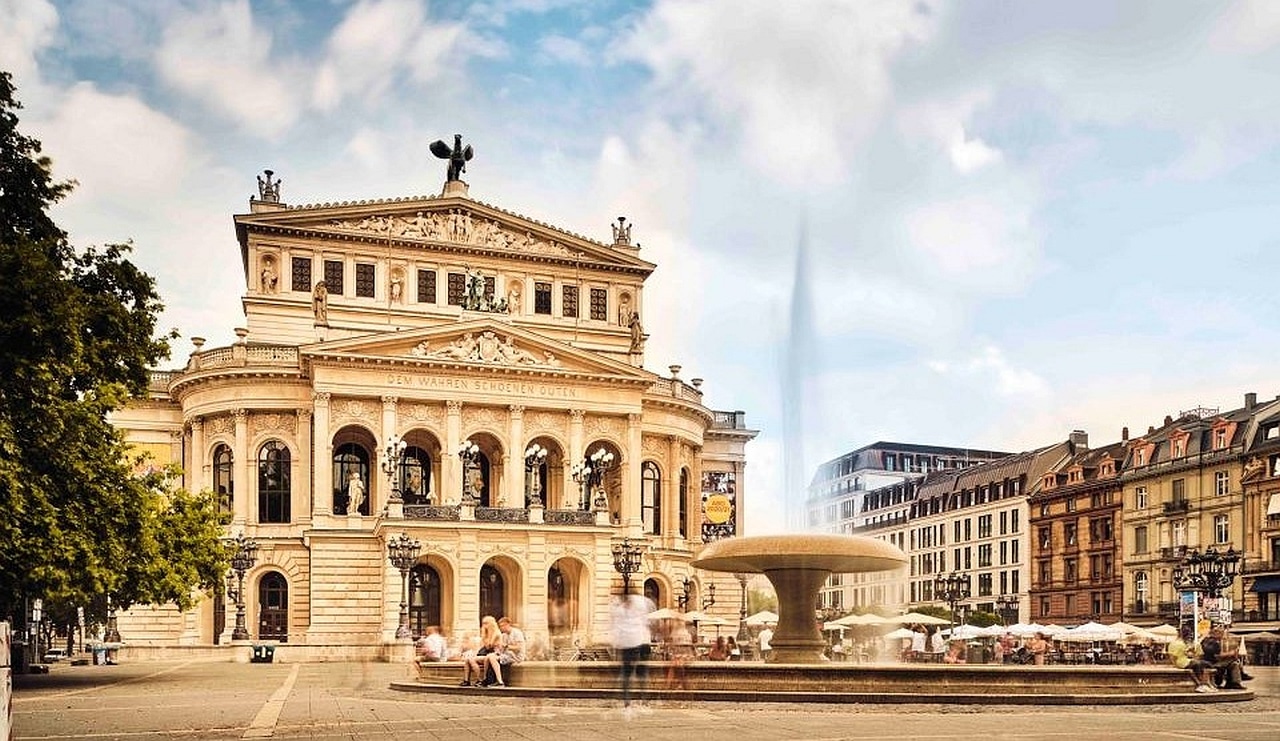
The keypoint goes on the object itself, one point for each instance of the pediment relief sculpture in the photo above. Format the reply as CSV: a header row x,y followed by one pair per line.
x,y
487,348
458,226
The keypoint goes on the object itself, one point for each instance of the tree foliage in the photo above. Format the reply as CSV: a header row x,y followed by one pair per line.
x,y
82,517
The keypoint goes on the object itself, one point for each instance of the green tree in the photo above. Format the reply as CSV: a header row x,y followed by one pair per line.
x,y
77,340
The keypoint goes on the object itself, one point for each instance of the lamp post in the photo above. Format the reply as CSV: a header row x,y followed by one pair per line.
x,y
1209,572
710,599
686,593
392,457
952,588
467,453
626,561
403,552
1008,604
242,559
534,458
744,634
589,474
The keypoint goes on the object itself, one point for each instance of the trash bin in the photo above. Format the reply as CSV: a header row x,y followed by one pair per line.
x,y
99,656
18,659
263,654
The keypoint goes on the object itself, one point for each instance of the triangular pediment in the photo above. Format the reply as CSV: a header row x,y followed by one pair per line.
x,y
480,344
453,223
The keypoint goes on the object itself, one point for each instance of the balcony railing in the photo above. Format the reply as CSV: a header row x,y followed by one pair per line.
x,y
729,420
1174,552
1176,506
1258,567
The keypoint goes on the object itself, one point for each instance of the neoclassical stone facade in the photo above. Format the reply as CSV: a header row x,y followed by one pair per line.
x,y
440,321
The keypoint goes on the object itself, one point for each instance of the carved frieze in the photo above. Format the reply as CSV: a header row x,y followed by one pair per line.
x,y
272,422
478,417
221,425
544,422
342,411
652,445
430,414
608,426
458,226
487,348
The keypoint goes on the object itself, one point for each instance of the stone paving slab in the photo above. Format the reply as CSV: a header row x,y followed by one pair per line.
x,y
166,700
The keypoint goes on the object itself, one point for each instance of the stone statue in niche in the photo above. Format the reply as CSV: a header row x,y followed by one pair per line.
x,y
320,304
397,286
513,297
624,310
268,275
355,493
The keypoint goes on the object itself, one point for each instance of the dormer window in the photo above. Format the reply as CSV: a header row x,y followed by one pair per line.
x,y
1140,457
1219,439
1179,447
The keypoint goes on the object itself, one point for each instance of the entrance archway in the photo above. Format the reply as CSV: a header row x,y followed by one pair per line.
x,y
273,607
424,598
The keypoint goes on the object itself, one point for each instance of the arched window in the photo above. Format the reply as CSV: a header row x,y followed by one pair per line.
x,y
684,503
492,592
651,497
415,476
274,485
348,459
273,608
223,483
424,598
478,480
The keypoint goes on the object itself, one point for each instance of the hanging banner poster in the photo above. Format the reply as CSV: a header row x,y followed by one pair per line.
x,y
719,505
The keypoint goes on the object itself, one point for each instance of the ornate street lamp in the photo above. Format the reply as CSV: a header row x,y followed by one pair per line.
x,y
626,561
112,632
403,552
686,593
952,588
242,559
589,475
468,452
392,458
1209,572
534,458
1007,605
744,634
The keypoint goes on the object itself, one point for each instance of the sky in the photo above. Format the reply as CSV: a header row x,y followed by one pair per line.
x,y
1017,219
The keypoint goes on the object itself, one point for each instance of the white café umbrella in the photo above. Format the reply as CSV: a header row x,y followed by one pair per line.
x,y
1164,630
920,618
666,613
762,617
898,634
1124,627
703,618
868,619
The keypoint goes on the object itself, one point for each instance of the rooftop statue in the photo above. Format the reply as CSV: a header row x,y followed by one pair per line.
x,y
458,156
269,190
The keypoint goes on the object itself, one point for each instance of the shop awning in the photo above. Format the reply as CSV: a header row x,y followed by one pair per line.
x,y
1268,583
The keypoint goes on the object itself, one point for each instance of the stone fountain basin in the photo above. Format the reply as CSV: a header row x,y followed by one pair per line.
x,y
798,566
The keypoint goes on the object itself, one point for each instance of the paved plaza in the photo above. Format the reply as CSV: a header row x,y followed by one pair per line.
x,y
190,700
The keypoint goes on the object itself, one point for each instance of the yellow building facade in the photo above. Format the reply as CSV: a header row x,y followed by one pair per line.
x,y
508,356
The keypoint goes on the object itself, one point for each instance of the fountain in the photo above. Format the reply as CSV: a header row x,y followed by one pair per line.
x,y
798,566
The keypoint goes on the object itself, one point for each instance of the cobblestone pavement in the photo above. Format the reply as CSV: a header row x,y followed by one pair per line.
x,y
190,700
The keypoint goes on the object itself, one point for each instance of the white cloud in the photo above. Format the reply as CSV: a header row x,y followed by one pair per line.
x,y
219,57
983,243
970,154
28,28
801,86
564,49
376,41
1248,26
120,150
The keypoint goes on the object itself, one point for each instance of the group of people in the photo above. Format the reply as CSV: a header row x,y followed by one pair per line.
x,y
1214,661
501,644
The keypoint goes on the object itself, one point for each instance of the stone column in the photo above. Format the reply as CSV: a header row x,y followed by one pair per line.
x,y
303,495
242,474
322,466
196,480
450,466
671,489
384,485
630,515
515,457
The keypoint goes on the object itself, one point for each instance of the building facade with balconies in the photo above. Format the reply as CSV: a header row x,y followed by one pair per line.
x,y
441,322
1261,482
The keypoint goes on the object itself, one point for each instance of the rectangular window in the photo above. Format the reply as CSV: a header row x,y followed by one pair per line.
x,y
1004,552
364,280
1221,483
1221,529
1219,439
984,555
1044,607
1179,490
1013,551
542,298
1013,581
1071,504
1004,523
457,288
1046,538
599,304
426,286
890,462
490,287
1069,571
984,585
569,301
301,274
1140,539
1046,573
1013,521
1140,497
984,526
1070,604
333,278
956,527
1069,533
968,534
